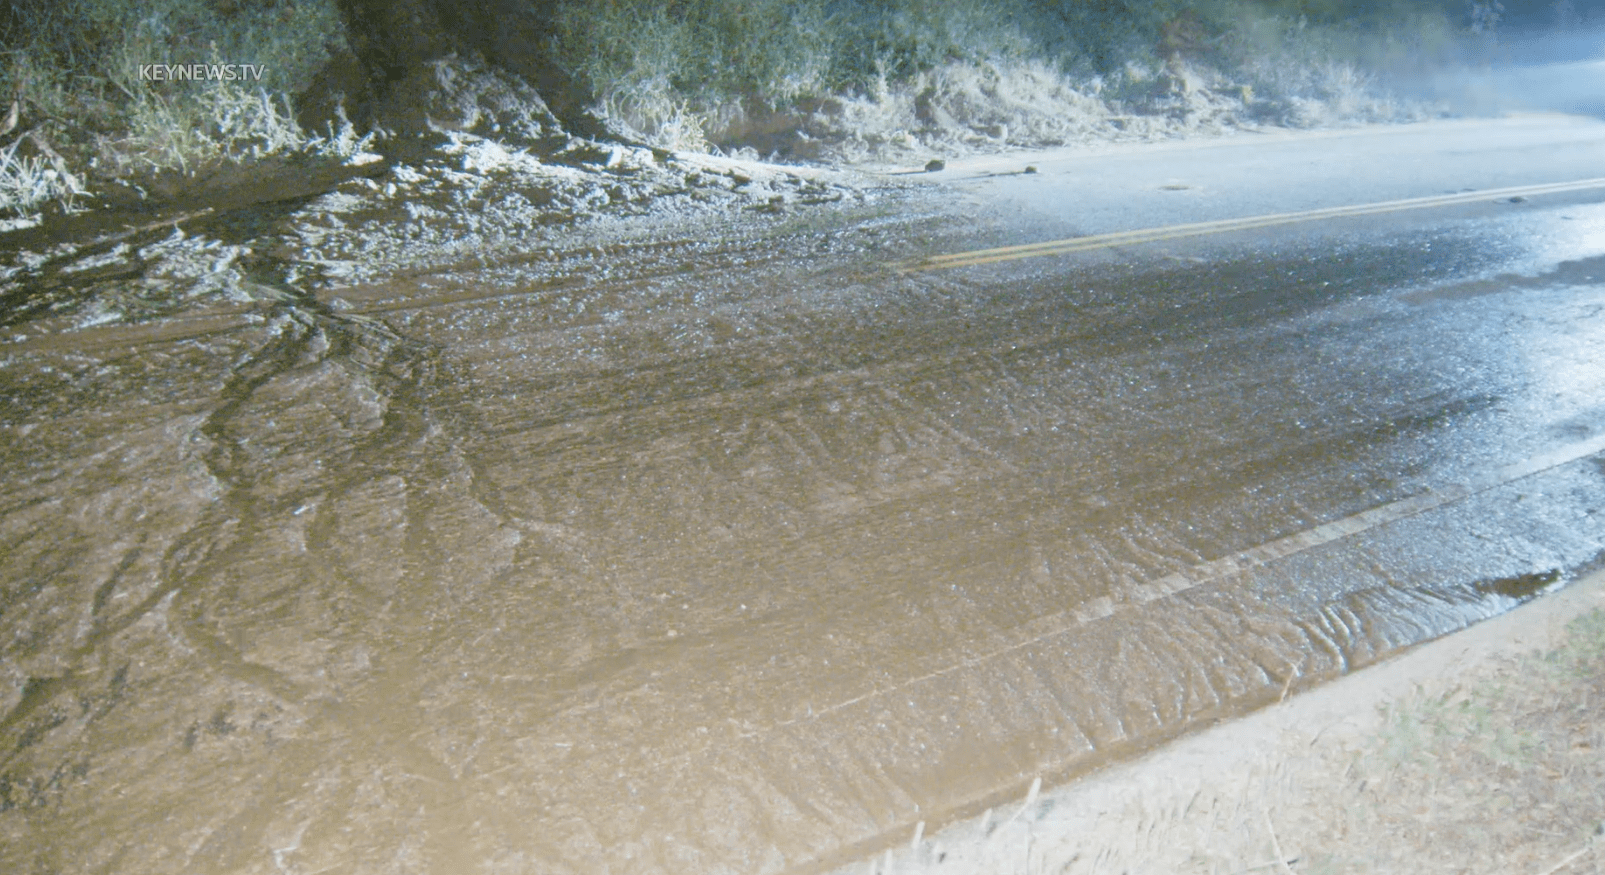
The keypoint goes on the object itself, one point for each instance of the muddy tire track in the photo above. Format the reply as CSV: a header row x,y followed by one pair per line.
x,y
310,411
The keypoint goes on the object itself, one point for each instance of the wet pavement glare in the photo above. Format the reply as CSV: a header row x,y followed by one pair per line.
x,y
743,556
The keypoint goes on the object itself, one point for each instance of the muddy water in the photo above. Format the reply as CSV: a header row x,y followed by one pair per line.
x,y
682,556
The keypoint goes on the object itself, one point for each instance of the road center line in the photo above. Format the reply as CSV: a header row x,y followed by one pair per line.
x,y
1198,229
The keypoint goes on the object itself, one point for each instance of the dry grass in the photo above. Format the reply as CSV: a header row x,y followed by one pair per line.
x,y
28,181
808,79
1510,769
821,79
74,67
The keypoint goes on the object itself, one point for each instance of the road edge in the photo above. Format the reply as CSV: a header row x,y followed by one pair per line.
x,y
1129,816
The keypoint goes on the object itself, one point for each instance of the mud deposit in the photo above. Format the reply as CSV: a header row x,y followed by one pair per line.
x,y
400,530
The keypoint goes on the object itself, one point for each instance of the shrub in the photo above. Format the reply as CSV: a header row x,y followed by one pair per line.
x,y
689,71
75,67
704,65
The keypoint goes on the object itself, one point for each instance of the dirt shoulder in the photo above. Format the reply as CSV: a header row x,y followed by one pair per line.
x,y
1478,752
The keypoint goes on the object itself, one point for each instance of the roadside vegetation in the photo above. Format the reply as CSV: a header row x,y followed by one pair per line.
x,y
802,79
1492,768
728,71
85,117
1508,769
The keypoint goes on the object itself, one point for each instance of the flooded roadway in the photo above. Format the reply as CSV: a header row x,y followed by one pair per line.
x,y
739,550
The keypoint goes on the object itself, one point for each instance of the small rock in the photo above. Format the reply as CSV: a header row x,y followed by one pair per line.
x,y
934,165
1030,168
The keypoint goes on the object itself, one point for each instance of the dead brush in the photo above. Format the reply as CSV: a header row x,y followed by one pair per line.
x,y
28,182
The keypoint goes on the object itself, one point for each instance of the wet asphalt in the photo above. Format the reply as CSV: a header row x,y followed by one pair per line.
x,y
747,549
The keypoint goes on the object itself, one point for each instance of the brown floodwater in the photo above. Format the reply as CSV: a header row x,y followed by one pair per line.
x,y
736,550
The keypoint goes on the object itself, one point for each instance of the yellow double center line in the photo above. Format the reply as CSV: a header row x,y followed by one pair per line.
x,y
1197,229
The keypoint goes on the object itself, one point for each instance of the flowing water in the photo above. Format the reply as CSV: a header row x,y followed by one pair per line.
x,y
736,550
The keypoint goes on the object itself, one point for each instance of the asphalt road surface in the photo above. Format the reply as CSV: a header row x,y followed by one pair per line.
x,y
746,552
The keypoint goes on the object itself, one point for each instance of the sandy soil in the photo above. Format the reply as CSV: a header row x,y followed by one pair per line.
x,y
1478,752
